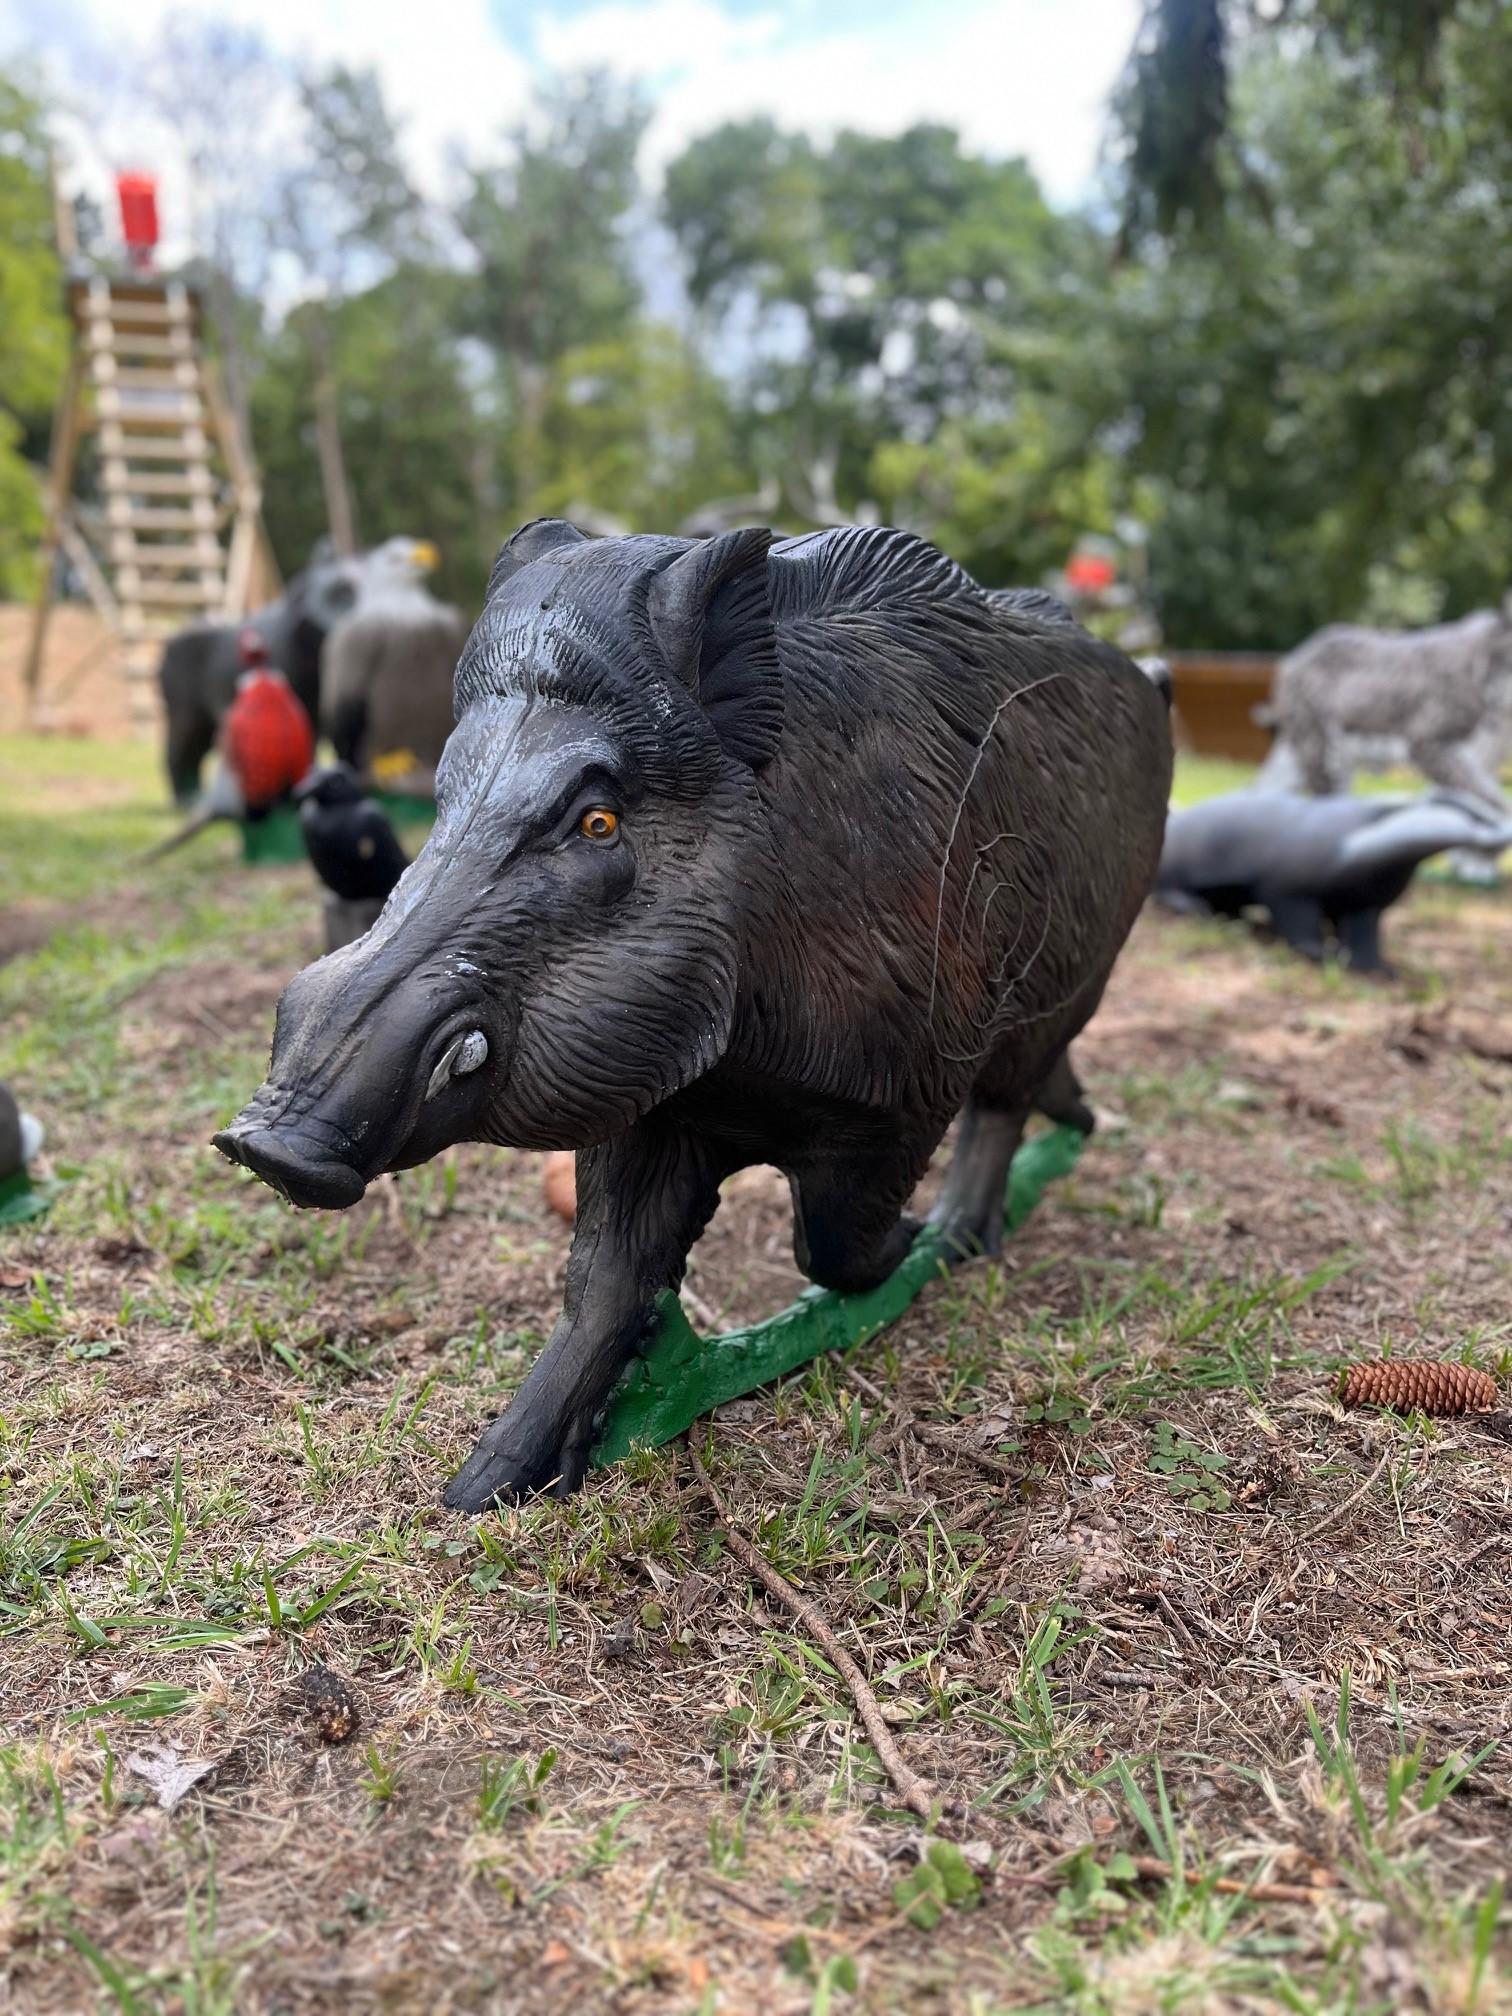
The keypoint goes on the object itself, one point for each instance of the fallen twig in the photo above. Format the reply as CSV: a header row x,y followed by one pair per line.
x,y
1178,1623
1333,1518
915,1792
1232,1886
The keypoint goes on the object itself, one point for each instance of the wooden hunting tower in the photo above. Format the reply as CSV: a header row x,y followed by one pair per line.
x,y
175,530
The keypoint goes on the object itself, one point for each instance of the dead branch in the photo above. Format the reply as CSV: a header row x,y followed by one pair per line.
x,y
1231,1886
914,1791
1330,1519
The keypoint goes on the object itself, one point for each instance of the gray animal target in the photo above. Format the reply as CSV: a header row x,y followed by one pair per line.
x,y
1325,869
1440,698
201,665
386,682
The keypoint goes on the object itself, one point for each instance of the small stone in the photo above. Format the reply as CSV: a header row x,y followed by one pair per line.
x,y
619,1640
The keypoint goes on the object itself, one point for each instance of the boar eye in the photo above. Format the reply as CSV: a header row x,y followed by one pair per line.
x,y
599,823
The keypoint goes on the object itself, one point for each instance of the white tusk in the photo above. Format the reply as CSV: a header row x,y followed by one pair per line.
x,y
443,1071
461,1055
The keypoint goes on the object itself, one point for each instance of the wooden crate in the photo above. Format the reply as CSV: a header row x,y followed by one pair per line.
x,y
1215,694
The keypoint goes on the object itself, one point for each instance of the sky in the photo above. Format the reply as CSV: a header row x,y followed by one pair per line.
x,y
1024,77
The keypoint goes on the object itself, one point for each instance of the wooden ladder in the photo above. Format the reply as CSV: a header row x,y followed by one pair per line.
x,y
162,424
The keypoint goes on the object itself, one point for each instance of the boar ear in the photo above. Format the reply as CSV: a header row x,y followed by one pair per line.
x,y
540,536
711,615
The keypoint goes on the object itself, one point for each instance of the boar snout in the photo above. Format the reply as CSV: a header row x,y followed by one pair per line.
x,y
291,1164
364,1080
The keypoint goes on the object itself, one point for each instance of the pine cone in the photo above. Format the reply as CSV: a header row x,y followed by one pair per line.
x,y
329,1703
1429,1389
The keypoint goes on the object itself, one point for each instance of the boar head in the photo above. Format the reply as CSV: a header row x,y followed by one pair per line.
x,y
562,954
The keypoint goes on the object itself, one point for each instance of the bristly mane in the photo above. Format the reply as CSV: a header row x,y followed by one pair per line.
x,y
571,620
862,568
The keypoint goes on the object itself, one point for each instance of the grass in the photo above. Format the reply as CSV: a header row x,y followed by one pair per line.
x,y
592,1764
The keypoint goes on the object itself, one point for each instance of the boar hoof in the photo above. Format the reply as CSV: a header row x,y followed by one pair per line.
x,y
496,1472
965,1235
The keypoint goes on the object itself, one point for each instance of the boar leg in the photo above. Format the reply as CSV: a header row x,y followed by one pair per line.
x,y
1061,1099
1360,941
642,1201
849,1231
970,1210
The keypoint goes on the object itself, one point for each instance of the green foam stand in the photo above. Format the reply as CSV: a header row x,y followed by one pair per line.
x,y
683,1375
21,1200
275,840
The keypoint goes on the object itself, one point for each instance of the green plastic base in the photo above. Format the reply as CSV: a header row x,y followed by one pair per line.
x,y
275,841
21,1200
684,1375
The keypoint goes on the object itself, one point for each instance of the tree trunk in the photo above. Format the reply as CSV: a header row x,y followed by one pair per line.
x,y
531,385
233,354
340,515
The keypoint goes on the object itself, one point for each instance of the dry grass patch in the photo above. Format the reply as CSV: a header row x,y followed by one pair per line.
x,y
591,1764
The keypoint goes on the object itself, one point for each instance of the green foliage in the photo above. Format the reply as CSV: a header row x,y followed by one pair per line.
x,y
546,227
513,1787
944,1881
33,341
1284,371
409,427
1174,109
350,193
554,267
893,260
639,428
1190,1471
744,204
1314,393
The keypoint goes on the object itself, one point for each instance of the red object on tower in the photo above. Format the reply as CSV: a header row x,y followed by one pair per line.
x,y
137,196
1090,573
266,738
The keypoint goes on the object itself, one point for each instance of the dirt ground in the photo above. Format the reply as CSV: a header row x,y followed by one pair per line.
x,y
1211,1674
82,690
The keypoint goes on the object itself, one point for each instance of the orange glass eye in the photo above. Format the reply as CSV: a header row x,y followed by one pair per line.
x,y
599,823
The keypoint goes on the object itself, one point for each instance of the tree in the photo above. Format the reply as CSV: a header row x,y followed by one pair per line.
x,y
407,414
745,205
640,429
33,332
1174,111
1317,394
868,278
352,213
548,227
219,87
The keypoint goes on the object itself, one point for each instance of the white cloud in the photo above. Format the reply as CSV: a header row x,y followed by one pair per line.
x,y
448,75
1016,76
652,39
1025,77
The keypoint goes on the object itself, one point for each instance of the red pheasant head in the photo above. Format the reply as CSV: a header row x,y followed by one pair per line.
x,y
252,647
